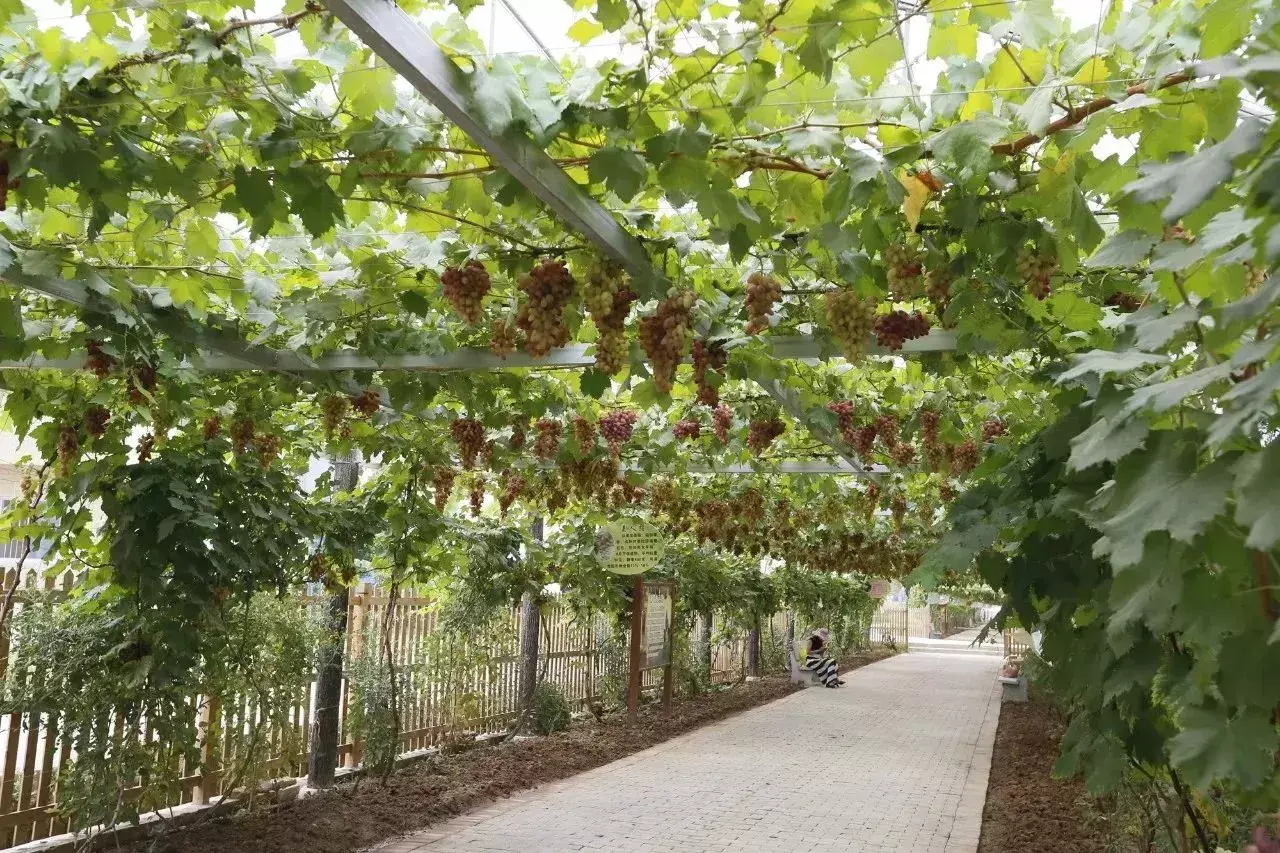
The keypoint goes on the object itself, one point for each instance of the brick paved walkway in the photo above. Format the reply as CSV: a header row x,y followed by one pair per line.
x,y
895,761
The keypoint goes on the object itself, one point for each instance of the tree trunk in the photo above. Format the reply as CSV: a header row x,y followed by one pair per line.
x,y
753,650
323,758
529,635
704,640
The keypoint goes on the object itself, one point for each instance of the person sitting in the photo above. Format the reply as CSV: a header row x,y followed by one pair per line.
x,y
817,662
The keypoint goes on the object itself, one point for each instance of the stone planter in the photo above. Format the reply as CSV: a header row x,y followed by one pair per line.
x,y
1015,689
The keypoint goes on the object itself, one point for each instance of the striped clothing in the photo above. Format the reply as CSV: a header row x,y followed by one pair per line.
x,y
823,667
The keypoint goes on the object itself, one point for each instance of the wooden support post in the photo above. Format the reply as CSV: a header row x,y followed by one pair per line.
x,y
323,758
636,664
530,622
210,765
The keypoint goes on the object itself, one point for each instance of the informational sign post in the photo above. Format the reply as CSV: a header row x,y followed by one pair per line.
x,y
652,625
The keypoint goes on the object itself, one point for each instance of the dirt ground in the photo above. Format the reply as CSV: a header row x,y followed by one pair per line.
x,y
347,820
1027,810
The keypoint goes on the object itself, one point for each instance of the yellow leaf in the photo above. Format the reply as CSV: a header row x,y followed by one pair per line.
x,y
1093,71
585,30
918,193
978,103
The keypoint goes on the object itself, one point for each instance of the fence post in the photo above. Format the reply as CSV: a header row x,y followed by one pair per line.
x,y
323,758
753,650
208,734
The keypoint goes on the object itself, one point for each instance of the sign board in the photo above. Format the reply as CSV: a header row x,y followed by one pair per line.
x,y
879,589
629,546
659,620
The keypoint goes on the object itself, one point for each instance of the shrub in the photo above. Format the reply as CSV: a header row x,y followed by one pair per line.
x,y
550,709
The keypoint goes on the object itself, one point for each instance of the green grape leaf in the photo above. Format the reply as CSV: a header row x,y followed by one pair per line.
x,y
12,337
1226,23
253,190
594,383
415,303
1258,496
1105,362
1161,488
1215,747
612,14
1107,441
621,171
1187,183
967,145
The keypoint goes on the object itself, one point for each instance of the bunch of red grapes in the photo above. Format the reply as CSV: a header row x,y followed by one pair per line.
x,y
897,327
465,288
547,289
468,434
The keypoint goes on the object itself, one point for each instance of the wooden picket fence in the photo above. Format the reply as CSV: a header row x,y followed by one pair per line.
x,y
586,658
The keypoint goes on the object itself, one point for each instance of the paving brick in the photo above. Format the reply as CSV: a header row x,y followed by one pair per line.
x,y
896,760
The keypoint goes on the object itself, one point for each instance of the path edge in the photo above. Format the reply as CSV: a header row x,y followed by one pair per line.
x,y
966,826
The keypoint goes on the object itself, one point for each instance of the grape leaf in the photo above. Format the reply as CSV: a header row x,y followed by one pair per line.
x,y
1214,747
621,171
593,382
968,144
12,338
1187,183
1258,496
1106,362
1107,440
1161,488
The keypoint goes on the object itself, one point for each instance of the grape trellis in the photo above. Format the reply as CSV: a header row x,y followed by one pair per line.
x,y
951,293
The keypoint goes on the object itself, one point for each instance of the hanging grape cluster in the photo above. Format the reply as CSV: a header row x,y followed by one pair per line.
x,y
722,422
993,428
68,448
608,297
690,429
584,432
664,335
333,413
476,494
864,439
547,441
616,427
934,452
762,292
707,356
468,434
903,453
1036,269
268,449
888,428
937,288
518,437
367,402
465,288
242,431
897,327
1122,301
547,289
146,446
850,319
442,483
212,427
964,457
512,487
503,337
903,267
142,383
98,361
95,421
843,410
761,433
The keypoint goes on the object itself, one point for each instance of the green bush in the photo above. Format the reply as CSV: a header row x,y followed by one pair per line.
x,y
550,709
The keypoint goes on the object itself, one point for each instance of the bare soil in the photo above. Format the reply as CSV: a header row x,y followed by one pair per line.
x,y
1028,810
351,818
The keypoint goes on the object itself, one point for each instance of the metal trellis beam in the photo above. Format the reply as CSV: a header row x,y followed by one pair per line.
x,y
408,48
232,350
797,347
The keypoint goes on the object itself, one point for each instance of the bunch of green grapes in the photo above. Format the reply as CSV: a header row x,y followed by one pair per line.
x,y
665,333
850,318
